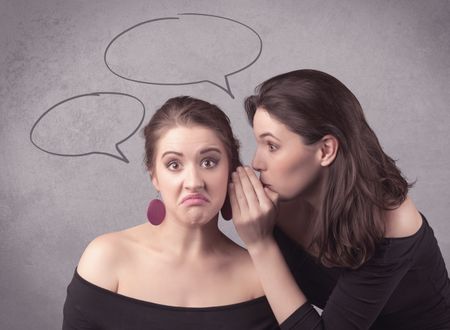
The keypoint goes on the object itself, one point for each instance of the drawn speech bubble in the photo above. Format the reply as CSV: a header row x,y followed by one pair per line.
x,y
190,49
89,124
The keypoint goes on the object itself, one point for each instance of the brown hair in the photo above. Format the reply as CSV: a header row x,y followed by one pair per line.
x,y
187,111
362,179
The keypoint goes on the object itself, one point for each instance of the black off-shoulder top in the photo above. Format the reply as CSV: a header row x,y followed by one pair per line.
x,y
88,306
405,285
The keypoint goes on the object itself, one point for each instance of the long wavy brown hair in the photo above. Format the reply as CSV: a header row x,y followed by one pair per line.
x,y
362,180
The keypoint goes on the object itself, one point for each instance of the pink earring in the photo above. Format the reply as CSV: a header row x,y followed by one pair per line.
x,y
226,209
156,212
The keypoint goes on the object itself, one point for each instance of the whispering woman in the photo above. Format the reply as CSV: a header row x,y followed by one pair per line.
x,y
329,221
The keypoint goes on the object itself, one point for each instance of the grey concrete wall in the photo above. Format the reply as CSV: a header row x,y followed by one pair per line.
x,y
392,54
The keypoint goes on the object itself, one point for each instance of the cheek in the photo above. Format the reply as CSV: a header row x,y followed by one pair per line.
x,y
218,184
169,185
296,174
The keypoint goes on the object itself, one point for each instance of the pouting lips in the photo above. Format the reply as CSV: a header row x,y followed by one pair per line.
x,y
198,197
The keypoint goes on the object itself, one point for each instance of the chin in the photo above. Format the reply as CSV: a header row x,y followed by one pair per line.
x,y
290,196
198,218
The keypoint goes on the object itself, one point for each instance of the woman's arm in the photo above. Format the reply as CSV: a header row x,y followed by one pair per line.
x,y
98,266
253,216
284,296
78,302
359,295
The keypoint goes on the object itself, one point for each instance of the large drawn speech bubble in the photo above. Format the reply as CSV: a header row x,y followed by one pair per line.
x,y
87,124
189,49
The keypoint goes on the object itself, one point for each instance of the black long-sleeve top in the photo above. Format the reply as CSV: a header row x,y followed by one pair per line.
x,y
405,285
89,307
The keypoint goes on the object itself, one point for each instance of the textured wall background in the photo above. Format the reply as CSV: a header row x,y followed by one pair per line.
x,y
392,54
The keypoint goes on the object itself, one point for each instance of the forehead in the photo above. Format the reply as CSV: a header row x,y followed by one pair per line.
x,y
189,139
263,122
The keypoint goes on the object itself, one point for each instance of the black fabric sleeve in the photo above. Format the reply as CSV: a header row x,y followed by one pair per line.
x,y
359,295
77,300
305,317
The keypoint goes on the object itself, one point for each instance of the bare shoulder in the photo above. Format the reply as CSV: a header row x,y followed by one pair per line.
x,y
239,271
245,275
404,221
101,259
236,255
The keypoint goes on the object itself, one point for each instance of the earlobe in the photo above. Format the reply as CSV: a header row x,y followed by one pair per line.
x,y
329,149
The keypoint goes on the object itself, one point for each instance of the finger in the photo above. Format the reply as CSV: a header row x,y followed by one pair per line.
x,y
273,196
257,185
248,189
235,210
240,195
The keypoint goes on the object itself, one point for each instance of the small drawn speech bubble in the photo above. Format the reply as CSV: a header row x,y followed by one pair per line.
x,y
189,49
89,124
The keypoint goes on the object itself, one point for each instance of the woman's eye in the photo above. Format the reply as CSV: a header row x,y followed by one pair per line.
x,y
272,147
173,165
208,163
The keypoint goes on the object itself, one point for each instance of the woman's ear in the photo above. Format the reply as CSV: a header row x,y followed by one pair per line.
x,y
154,180
329,148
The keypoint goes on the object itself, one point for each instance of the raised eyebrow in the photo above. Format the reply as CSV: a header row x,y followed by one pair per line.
x,y
172,152
204,151
180,154
263,135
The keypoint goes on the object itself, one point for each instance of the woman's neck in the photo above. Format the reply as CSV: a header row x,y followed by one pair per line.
x,y
298,216
315,193
187,241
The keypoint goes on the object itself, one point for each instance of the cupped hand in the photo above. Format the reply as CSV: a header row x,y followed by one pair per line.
x,y
254,207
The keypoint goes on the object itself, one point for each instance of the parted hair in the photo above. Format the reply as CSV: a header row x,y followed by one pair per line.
x,y
362,179
188,111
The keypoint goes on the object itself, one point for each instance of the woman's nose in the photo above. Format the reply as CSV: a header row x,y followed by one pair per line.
x,y
193,179
257,162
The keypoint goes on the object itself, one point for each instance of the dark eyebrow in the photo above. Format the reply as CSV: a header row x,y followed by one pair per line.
x,y
172,152
268,134
204,151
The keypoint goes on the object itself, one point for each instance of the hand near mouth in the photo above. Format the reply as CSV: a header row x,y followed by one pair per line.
x,y
254,207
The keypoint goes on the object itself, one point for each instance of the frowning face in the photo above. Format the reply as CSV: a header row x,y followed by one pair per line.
x,y
191,173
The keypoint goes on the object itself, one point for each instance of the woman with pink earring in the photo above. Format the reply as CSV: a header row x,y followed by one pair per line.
x,y
177,271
